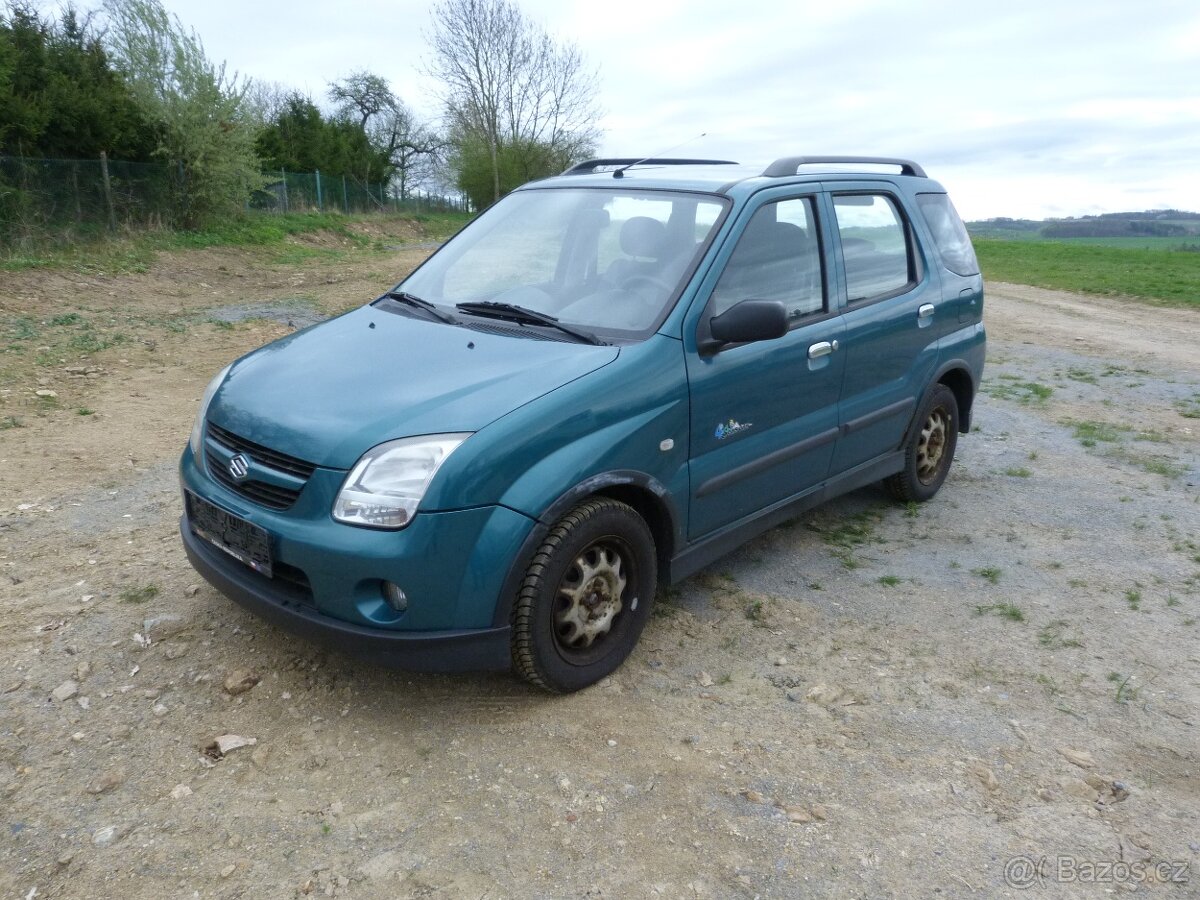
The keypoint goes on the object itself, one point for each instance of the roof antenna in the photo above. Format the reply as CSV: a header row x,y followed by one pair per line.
x,y
620,173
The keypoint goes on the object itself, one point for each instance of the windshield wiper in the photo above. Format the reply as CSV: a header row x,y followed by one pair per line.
x,y
413,300
513,313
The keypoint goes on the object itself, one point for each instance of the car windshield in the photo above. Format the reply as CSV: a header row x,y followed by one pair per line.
x,y
608,261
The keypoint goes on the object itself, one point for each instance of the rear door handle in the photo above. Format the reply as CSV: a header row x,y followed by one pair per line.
x,y
925,311
821,348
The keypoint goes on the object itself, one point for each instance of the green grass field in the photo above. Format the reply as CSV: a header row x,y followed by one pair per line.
x,y
1144,270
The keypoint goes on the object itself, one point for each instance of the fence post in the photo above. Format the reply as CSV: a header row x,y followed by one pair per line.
x,y
345,198
283,179
108,198
320,206
75,184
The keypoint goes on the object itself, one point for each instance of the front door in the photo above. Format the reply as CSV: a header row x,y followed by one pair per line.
x,y
764,415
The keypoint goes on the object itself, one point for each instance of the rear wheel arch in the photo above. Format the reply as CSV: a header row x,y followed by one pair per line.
x,y
959,380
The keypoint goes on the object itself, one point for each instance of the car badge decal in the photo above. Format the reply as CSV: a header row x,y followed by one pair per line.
x,y
732,427
239,466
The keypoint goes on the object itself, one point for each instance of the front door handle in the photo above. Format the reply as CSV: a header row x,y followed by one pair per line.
x,y
822,348
925,311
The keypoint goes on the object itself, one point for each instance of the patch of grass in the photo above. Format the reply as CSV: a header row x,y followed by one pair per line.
x,y
1009,611
912,509
1125,693
989,573
1033,454
847,536
1048,684
89,341
1189,409
756,612
139,594
1134,599
67,319
1009,388
85,411
1017,472
889,580
136,253
10,422
1159,466
1153,465
1164,276
1052,636
1090,433
1083,375
1172,600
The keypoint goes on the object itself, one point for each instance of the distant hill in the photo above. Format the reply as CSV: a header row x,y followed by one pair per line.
x,y
1157,223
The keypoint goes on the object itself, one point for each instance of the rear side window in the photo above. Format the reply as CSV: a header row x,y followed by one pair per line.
x,y
874,246
953,242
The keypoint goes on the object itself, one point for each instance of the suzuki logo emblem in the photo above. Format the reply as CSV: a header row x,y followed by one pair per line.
x,y
239,466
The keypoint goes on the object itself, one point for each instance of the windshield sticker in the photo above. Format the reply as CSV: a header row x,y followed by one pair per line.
x,y
732,427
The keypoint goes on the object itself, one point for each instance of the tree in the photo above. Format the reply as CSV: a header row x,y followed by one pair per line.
x,y
409,148
300,139
362,94
60,96
207,127
509,90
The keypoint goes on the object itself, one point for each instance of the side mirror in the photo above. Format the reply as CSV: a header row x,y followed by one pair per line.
x,y
750,320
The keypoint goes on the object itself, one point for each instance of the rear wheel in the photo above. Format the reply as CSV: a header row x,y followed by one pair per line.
x,y
930,448
586,597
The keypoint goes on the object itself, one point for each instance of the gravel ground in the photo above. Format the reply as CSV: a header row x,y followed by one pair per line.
x,y
873,701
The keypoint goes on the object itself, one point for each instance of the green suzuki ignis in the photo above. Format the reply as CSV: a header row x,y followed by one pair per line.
x,y
603,383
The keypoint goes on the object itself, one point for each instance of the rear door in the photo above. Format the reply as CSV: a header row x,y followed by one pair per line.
x,y
765,414
893,312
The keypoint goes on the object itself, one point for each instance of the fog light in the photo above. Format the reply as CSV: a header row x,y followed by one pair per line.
x,y
395,597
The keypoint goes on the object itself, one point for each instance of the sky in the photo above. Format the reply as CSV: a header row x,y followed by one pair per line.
x,y
1021,108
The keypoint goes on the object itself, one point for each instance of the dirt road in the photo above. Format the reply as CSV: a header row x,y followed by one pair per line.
x,y
872,702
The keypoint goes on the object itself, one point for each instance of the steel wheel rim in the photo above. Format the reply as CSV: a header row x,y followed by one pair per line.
x,y
931,445
590,597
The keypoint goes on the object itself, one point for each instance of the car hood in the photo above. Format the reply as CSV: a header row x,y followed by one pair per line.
x,y
331,392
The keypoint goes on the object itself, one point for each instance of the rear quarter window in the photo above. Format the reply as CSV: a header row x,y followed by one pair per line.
x,y
950,234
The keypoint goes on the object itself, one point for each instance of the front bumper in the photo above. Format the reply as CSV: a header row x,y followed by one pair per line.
x,y
454,567
474,649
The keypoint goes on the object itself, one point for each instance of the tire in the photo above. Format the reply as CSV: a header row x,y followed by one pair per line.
x,y
586,597
929,450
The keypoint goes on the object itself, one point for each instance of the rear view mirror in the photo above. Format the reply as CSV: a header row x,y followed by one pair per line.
x,y
750,320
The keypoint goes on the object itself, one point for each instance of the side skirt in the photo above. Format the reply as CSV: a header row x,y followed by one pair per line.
x,y
696,556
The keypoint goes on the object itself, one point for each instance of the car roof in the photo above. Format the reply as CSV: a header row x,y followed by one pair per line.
x,y
725,177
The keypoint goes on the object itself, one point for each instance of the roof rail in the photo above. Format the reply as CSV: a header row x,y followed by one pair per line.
x,y
789,164
589,166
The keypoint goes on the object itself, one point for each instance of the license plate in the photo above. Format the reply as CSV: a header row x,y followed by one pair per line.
x,y
242,540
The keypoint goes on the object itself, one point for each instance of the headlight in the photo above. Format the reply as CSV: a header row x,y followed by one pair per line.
x,y
385,487
197,438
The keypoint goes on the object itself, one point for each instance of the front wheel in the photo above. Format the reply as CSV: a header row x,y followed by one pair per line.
x,y
586,597
929,449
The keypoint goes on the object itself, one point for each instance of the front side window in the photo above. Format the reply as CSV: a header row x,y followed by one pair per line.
x,y
874,246
778,257
606,260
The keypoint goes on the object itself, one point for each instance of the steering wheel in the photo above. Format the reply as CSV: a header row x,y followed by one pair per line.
x,y
633,282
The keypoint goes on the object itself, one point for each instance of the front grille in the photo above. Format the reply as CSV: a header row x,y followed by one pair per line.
x,y
272,496
271,458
